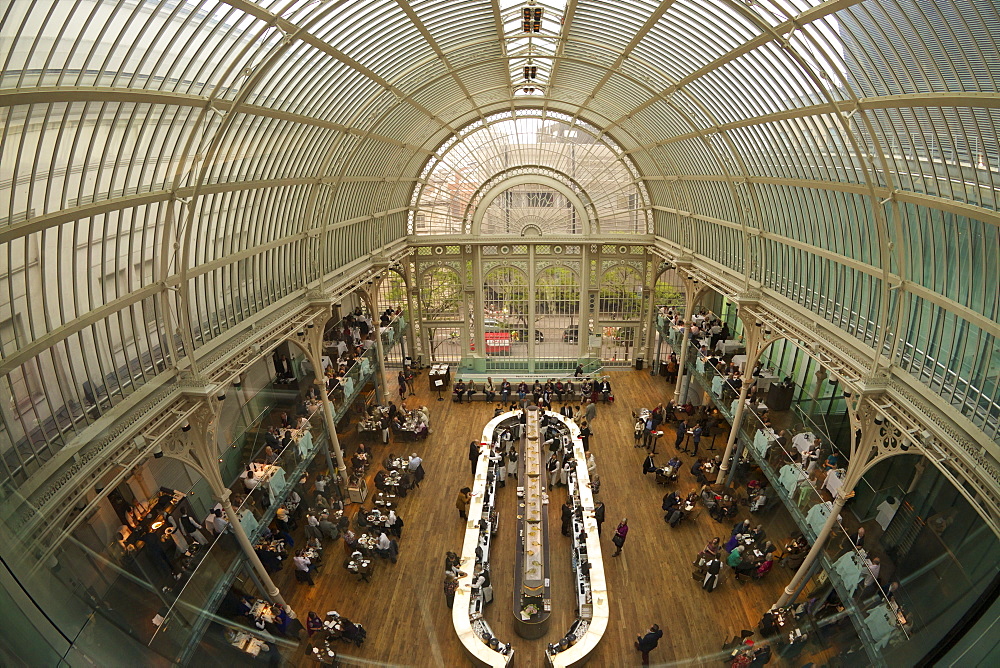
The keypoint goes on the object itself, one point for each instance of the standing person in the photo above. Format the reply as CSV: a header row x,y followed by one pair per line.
x,y
567,516
585,434
591,411
648,642
871,577
712,569
682,428
599,515
408,372
696,439
462,502
568,467
192,529
450,587
303,566
735,560
512,461
552,468
384,425
672,368
621,533
473,455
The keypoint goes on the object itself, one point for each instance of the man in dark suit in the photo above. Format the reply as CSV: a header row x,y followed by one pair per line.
x,y
648,642
474,455
605,389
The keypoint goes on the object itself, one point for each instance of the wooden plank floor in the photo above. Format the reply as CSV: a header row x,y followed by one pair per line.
x,y
404,609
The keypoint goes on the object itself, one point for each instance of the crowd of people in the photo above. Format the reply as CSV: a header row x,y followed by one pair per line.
x,y
584,392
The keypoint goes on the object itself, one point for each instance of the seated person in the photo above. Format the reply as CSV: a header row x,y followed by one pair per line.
x,y
459,390
522,390
698,471
795,553
671,501
605,389
387,548
470,390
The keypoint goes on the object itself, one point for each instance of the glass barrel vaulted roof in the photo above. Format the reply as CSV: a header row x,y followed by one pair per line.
x,y
170,169
520,146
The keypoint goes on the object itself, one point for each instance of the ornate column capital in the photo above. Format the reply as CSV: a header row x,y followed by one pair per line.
x,y
196,444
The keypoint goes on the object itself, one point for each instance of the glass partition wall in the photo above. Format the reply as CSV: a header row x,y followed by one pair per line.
x,y
930,543
158,601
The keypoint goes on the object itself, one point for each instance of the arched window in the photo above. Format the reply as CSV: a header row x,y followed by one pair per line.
x,y
531,209
529,141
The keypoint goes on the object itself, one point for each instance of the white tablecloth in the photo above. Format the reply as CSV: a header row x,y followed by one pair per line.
x,y
764,382
727,347
802,441
833,481
886,511
739,361
790,476
850,570
818,514
762,440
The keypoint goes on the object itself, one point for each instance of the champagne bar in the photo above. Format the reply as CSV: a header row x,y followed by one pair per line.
x,y
532,598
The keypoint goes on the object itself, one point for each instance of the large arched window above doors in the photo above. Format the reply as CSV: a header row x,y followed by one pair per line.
x,y
529,140
531,210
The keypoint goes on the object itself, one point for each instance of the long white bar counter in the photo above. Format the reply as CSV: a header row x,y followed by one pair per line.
x,y
591,588
466,613
591,585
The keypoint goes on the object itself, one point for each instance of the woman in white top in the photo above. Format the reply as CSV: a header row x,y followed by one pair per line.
x,y
512,462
